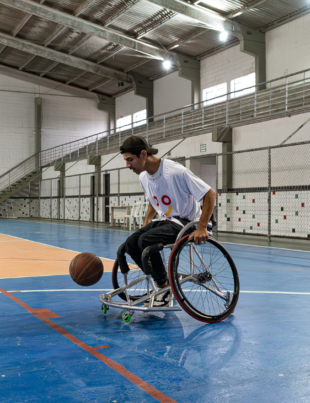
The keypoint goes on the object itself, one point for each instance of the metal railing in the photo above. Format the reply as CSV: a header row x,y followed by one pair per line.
x,y
268,196
24,168
283,96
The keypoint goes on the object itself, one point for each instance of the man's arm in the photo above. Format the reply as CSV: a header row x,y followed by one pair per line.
x,y
150,214
201,233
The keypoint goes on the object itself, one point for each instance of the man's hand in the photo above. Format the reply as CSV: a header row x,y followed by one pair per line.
x,y
200,235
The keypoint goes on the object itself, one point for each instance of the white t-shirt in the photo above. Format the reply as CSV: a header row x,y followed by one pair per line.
x,y
174,191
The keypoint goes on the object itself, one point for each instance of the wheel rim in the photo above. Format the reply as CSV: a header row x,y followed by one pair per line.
x,y
201,286
135,272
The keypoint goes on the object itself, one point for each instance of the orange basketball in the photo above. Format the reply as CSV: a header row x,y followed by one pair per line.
x,y
86,269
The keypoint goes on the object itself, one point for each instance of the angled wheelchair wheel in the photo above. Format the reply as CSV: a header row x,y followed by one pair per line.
x,y
118,281
140,289
204,279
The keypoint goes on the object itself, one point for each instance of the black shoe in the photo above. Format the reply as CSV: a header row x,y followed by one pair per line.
x,y
162,299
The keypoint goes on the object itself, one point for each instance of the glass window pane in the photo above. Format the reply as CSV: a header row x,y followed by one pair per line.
x,y
216,94
139,118
242,82
123,123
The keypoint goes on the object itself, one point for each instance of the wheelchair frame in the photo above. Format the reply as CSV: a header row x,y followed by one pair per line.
x,y
152,292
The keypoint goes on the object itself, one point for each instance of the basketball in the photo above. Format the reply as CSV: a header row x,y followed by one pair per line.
x,y
86,269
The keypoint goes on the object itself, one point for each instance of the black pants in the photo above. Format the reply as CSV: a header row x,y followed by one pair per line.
x,y
164,232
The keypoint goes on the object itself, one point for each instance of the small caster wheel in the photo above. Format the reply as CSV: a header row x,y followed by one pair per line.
x,y
126,317
105,309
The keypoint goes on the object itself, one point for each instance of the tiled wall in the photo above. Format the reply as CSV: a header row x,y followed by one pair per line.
x,y
240,212
243,212
15,208
248,213
290,213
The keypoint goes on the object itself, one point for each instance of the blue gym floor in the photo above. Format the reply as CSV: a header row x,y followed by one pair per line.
x,y
259,354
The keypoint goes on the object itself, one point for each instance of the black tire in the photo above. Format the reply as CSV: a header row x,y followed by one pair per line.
x,y
135,272
197,300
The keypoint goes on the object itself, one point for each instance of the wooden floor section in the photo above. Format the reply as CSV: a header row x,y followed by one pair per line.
x,y
22,258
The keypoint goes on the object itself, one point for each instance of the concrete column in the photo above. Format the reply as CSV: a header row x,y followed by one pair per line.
x,y
60,166
224,135
38,128
253,43
227,178
144,88
96,161
190,69
107,104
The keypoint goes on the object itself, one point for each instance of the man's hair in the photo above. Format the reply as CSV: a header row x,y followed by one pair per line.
x,y
135,144
136,152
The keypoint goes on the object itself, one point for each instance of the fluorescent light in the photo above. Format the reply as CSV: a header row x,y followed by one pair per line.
x,y
237,14
175,46
223,36
167,64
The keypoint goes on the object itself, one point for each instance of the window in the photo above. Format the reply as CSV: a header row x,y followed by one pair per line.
x,y
240,83
139,118
214,95
123,123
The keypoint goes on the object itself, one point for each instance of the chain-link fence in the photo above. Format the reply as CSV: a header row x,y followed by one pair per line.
x,y
268,192
262,191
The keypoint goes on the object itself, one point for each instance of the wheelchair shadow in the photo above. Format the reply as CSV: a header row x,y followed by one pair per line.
x,y
177,340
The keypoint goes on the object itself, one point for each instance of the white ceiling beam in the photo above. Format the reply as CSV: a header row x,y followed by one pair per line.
x,y
71,50
82,7
50,83
242,10
152,23
61,18
211,19
21,25
119,11
95,86
69,60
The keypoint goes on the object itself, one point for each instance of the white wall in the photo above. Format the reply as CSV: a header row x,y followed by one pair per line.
x,y
128,104
288,48
225,66
81,167
16,122
70,118
287,51
190,147
171,92
271,133
68,115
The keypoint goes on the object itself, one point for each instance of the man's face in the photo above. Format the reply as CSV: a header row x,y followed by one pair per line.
x,y
136,164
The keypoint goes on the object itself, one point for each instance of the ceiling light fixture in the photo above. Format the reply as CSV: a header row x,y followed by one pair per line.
x,y
223,36
167,64
237,14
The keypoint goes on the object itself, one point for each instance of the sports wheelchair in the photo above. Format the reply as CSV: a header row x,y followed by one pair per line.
x,y
203,281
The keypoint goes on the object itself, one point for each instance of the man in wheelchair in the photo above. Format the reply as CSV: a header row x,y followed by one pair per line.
x,y
173,192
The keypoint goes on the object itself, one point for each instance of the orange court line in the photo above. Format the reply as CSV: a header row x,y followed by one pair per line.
x,y
24,258
44,315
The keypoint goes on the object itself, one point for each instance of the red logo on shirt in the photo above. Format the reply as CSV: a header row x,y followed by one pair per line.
x,y
166,201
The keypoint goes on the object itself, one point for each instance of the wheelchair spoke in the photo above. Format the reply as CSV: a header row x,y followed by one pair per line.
x,y
139,289
213,277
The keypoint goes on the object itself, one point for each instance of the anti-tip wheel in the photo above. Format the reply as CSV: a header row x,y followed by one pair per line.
x,y
126,317
105,309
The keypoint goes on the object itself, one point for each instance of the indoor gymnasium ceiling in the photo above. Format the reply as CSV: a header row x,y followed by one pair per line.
x,y
97,44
